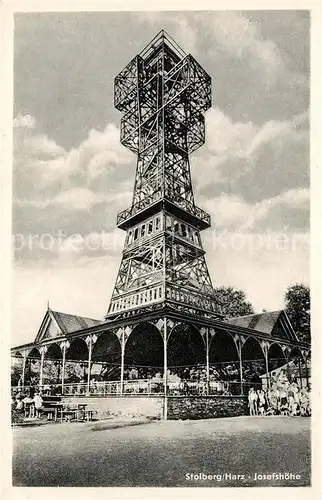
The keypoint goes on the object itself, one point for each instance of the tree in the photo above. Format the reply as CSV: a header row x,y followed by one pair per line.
x,y
233,302
297,306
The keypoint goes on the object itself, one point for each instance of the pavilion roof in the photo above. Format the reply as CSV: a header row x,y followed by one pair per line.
x,y
263,322
69,323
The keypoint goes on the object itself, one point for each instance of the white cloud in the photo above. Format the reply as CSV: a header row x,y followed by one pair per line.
x,y
262,267
70,173
228,140
42,146
77,199
234,212
236,35
242,139
227,137
24,121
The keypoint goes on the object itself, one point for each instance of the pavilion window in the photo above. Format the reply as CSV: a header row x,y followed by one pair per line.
x,y
136,233
130,238
157,224
143,231
150,227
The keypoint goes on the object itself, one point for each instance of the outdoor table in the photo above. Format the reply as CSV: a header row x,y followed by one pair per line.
x,y
83,412
53,409
69,413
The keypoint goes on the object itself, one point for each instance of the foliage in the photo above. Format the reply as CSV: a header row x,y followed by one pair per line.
x,y
16,416
233,302
15,375
297,306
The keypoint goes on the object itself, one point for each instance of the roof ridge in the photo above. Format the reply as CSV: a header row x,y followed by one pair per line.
x,y
75,315
257,314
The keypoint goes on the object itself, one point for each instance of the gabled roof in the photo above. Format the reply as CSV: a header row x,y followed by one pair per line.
x,y
274,323
263,322
71,322
56,324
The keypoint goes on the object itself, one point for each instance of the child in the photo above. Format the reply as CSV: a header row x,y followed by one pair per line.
x,y
38,401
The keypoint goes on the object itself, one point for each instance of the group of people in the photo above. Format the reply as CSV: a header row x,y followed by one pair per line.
x,y
27,405
286,399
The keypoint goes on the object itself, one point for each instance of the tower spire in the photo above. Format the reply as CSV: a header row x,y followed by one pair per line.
x,y
162,94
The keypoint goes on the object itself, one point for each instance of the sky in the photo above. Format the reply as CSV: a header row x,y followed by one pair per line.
x,y
72,176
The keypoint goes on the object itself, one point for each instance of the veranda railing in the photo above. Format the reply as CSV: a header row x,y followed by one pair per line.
x,y
143,386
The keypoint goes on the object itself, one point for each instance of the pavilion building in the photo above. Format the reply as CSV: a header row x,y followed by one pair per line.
x,y
164,322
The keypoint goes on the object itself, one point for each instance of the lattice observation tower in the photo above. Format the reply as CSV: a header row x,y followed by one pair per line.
x,y
163,94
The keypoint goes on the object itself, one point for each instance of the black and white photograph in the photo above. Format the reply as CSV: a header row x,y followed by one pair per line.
x,y
160,299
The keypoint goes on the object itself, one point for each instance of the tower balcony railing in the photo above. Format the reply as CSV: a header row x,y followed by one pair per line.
x,y
193,299
136,299
148,201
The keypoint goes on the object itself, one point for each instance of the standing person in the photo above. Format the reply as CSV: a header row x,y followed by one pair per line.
x,y
255,396
251,401
283,401
261,402
19,404
38,401
291,400
28,406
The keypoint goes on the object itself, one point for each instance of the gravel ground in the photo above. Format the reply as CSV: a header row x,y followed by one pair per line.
x,y
164,453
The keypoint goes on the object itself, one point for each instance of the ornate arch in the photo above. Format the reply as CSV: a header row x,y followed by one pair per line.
x,y
254,362
276,356
185,349
143,351
223,356
106,356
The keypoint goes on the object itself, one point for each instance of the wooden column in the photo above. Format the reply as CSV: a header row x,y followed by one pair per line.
x,y
300,373
207,359
43,351
64,346
90,341
241,379
122,360
288,369
165,369
24,361
265,348
306,371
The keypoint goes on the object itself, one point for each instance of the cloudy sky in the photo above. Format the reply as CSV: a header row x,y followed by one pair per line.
x,y
72,176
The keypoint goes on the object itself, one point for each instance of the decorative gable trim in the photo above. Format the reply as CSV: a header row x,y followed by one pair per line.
x,y
47,320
